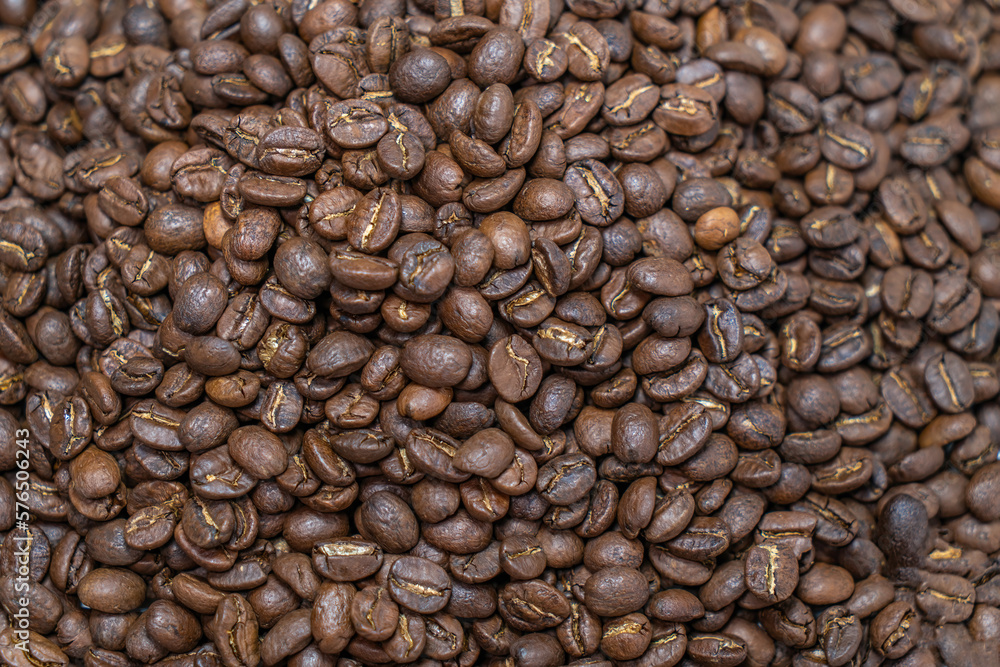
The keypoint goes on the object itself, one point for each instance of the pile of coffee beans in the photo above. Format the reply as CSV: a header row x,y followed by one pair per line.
x,y
519,333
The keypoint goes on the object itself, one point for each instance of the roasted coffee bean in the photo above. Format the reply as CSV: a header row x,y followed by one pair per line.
x,y
486,453
111,590
895,630
615,591
771,571
346,559
390,522
531,606
419,585
522,557
949,382
721,648
565,479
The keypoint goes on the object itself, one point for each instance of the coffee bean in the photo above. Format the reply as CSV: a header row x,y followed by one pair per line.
x,y
725,650
113,591
390,521
615,591
533,605
419,584
565,479
894,631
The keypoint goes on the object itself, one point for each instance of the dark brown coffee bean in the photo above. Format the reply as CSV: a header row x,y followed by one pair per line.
x,y
522,557
894,631
346,559
419,584
112,590
723,649
530,606
390,522
565,479
514,368
419,76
